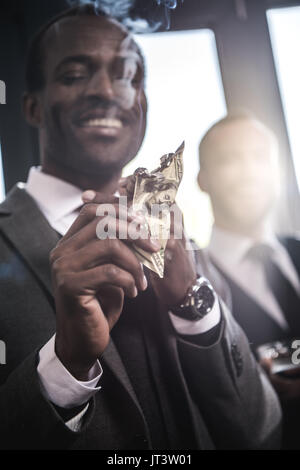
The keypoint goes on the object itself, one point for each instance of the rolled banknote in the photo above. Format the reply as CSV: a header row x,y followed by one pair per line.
x,y
154,195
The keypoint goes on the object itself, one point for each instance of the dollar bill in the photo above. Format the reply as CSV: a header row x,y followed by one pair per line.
x,y
154,194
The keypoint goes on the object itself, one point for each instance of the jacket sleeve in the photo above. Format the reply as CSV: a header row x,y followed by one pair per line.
x,y
27,419
237,401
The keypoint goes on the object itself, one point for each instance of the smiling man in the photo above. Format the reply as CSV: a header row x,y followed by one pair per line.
x,y
102,354
92,113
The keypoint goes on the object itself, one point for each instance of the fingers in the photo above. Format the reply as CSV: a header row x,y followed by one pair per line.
x,y
118,224
293,373
99,253
92,280
97,207
111,300
127,185
129,231
87,213
287,388
110,208
266,364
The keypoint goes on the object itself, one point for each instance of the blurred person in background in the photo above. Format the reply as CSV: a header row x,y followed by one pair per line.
x,y
239,170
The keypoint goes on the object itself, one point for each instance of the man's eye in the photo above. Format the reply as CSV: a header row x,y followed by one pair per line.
x,y
70,79
136,81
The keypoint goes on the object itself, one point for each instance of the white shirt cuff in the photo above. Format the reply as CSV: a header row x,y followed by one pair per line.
x,y
188,327
59,386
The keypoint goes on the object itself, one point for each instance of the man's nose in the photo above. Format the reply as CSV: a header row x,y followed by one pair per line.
x,y
100,85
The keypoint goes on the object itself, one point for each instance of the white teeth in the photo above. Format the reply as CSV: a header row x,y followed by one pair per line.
x,y
116,123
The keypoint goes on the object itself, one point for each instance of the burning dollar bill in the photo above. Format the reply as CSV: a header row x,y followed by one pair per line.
x,y
154,194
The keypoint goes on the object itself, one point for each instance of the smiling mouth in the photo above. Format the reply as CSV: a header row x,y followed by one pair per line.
x,y
105,123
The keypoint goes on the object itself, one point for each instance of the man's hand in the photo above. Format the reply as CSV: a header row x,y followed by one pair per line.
x,y
90,278
180,270
287,386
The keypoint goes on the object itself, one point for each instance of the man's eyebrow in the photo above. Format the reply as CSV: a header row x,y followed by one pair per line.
x,y
81,59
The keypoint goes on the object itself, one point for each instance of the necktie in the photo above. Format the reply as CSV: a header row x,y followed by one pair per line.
x,y
282,289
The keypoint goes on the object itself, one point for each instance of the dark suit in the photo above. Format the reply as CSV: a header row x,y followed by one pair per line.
x,y
261,328
202,395
256,322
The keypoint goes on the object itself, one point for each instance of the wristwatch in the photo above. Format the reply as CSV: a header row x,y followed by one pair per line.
x,y
199,301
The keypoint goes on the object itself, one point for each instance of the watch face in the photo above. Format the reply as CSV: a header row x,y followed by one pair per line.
x,y
204,300
199,303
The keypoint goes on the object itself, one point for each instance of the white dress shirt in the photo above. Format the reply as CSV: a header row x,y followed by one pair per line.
x,y
59,201
229,251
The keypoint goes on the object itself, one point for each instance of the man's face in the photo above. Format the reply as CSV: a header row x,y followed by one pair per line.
x,y
93,104
241,174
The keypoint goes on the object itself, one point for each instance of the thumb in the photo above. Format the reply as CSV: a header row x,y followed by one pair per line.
x,y
266,364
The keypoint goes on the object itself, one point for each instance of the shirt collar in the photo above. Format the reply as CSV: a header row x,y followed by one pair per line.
x,y
54,196
230,248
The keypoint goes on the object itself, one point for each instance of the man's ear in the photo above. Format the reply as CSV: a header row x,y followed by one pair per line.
x,y
32,109
202,181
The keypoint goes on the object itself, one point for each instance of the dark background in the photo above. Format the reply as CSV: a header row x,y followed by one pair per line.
x,y
246,62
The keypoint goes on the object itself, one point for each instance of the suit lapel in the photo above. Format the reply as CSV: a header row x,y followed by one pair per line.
x,y
112,359
23,224
25,227
292,245
248,313
161,346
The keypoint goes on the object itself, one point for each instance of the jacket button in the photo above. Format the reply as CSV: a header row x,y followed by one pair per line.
x,y
237,359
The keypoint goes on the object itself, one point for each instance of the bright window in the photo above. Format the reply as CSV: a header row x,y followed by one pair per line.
x,y
284,26
185,96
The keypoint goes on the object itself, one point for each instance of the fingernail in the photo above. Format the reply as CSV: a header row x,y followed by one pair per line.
x,y
135,292
138,216
88,195
145,283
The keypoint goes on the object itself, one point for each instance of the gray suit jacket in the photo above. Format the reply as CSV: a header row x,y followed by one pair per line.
x,y
226,401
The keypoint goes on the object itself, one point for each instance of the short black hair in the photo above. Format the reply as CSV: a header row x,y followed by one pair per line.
x,y
34,73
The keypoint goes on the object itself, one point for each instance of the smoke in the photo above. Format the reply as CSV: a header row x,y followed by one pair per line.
x,y
116,8
171,4
121,10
